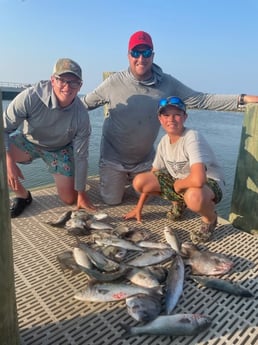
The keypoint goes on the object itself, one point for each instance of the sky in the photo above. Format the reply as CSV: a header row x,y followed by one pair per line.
x,y
209,45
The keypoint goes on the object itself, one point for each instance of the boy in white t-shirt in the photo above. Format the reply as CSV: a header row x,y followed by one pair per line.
x,y
185,171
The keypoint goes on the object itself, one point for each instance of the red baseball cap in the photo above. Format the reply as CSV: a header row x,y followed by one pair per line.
x,y
140,37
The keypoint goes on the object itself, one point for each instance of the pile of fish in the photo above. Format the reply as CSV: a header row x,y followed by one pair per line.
x,y
124,264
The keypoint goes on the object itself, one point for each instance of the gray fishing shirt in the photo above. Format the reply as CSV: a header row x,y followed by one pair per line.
x,y
35,111
131,124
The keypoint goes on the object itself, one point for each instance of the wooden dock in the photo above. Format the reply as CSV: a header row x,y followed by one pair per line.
x,y
48,313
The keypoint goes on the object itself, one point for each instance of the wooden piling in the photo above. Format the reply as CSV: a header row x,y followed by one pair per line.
x,y
9,333
244,204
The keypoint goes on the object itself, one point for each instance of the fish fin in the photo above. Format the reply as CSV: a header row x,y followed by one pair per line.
x,y
157,290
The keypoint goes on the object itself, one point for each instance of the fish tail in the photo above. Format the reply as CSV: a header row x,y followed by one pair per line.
x,y
127,331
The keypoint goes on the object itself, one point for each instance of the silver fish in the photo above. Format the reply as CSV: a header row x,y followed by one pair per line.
x,y
105,277
100,216
206,262
223,285
174,283
99,260
159,272
152,257
171,325
111,292
114,253
120,230
149,244
81,257
142,277
98,225
80,214
77,227
60,222
67,262
172,238
136,235
143,308
117,242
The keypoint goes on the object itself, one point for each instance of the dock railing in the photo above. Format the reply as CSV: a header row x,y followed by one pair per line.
x,y
9,333
244,203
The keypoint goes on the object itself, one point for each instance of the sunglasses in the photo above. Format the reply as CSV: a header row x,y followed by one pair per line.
x,y
145,53
61,82
175,101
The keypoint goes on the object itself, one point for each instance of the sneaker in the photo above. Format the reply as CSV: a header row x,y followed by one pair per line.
x,y
19,204
176,210
205,233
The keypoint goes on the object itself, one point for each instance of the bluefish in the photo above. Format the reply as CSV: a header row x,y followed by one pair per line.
x,y
174,283
151,257
171,325
205,262
172,238
143,308
111,292
223,285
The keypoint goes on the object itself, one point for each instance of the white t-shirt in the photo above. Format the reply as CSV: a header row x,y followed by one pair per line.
x,y
189,149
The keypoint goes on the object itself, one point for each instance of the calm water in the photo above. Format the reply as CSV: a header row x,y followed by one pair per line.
x,y
221,129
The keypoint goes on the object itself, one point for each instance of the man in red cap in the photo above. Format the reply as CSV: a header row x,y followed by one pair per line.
x,y
131,124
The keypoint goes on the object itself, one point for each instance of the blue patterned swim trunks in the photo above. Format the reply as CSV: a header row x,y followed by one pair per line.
x,y
59,162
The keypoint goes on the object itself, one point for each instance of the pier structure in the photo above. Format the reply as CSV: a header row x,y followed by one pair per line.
x,y
42,308
11,90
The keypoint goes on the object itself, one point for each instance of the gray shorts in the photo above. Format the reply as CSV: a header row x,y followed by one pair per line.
x,y
114,177
58,162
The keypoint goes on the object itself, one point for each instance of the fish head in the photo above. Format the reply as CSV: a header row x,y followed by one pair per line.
x,y
202,321
221,264
208,263
188,249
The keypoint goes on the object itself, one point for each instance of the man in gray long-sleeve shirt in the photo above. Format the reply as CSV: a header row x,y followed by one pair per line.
x,y
131,124
49,121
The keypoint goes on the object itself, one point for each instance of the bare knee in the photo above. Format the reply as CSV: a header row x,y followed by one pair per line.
x,y
69,199
193,199
138,183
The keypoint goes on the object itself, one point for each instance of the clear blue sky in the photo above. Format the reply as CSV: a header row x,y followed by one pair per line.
x,y
210,45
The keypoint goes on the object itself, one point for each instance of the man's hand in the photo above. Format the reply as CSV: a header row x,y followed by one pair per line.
x,y
13,174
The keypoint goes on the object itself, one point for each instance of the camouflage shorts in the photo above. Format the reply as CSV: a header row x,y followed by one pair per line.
x,y
58,162
166,182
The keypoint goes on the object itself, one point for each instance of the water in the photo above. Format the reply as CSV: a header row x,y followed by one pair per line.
x,y
221,129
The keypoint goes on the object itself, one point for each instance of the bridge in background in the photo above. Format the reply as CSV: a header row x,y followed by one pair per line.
x,y
10,90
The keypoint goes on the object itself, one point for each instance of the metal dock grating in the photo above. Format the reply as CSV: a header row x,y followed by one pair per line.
x,y
49,314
